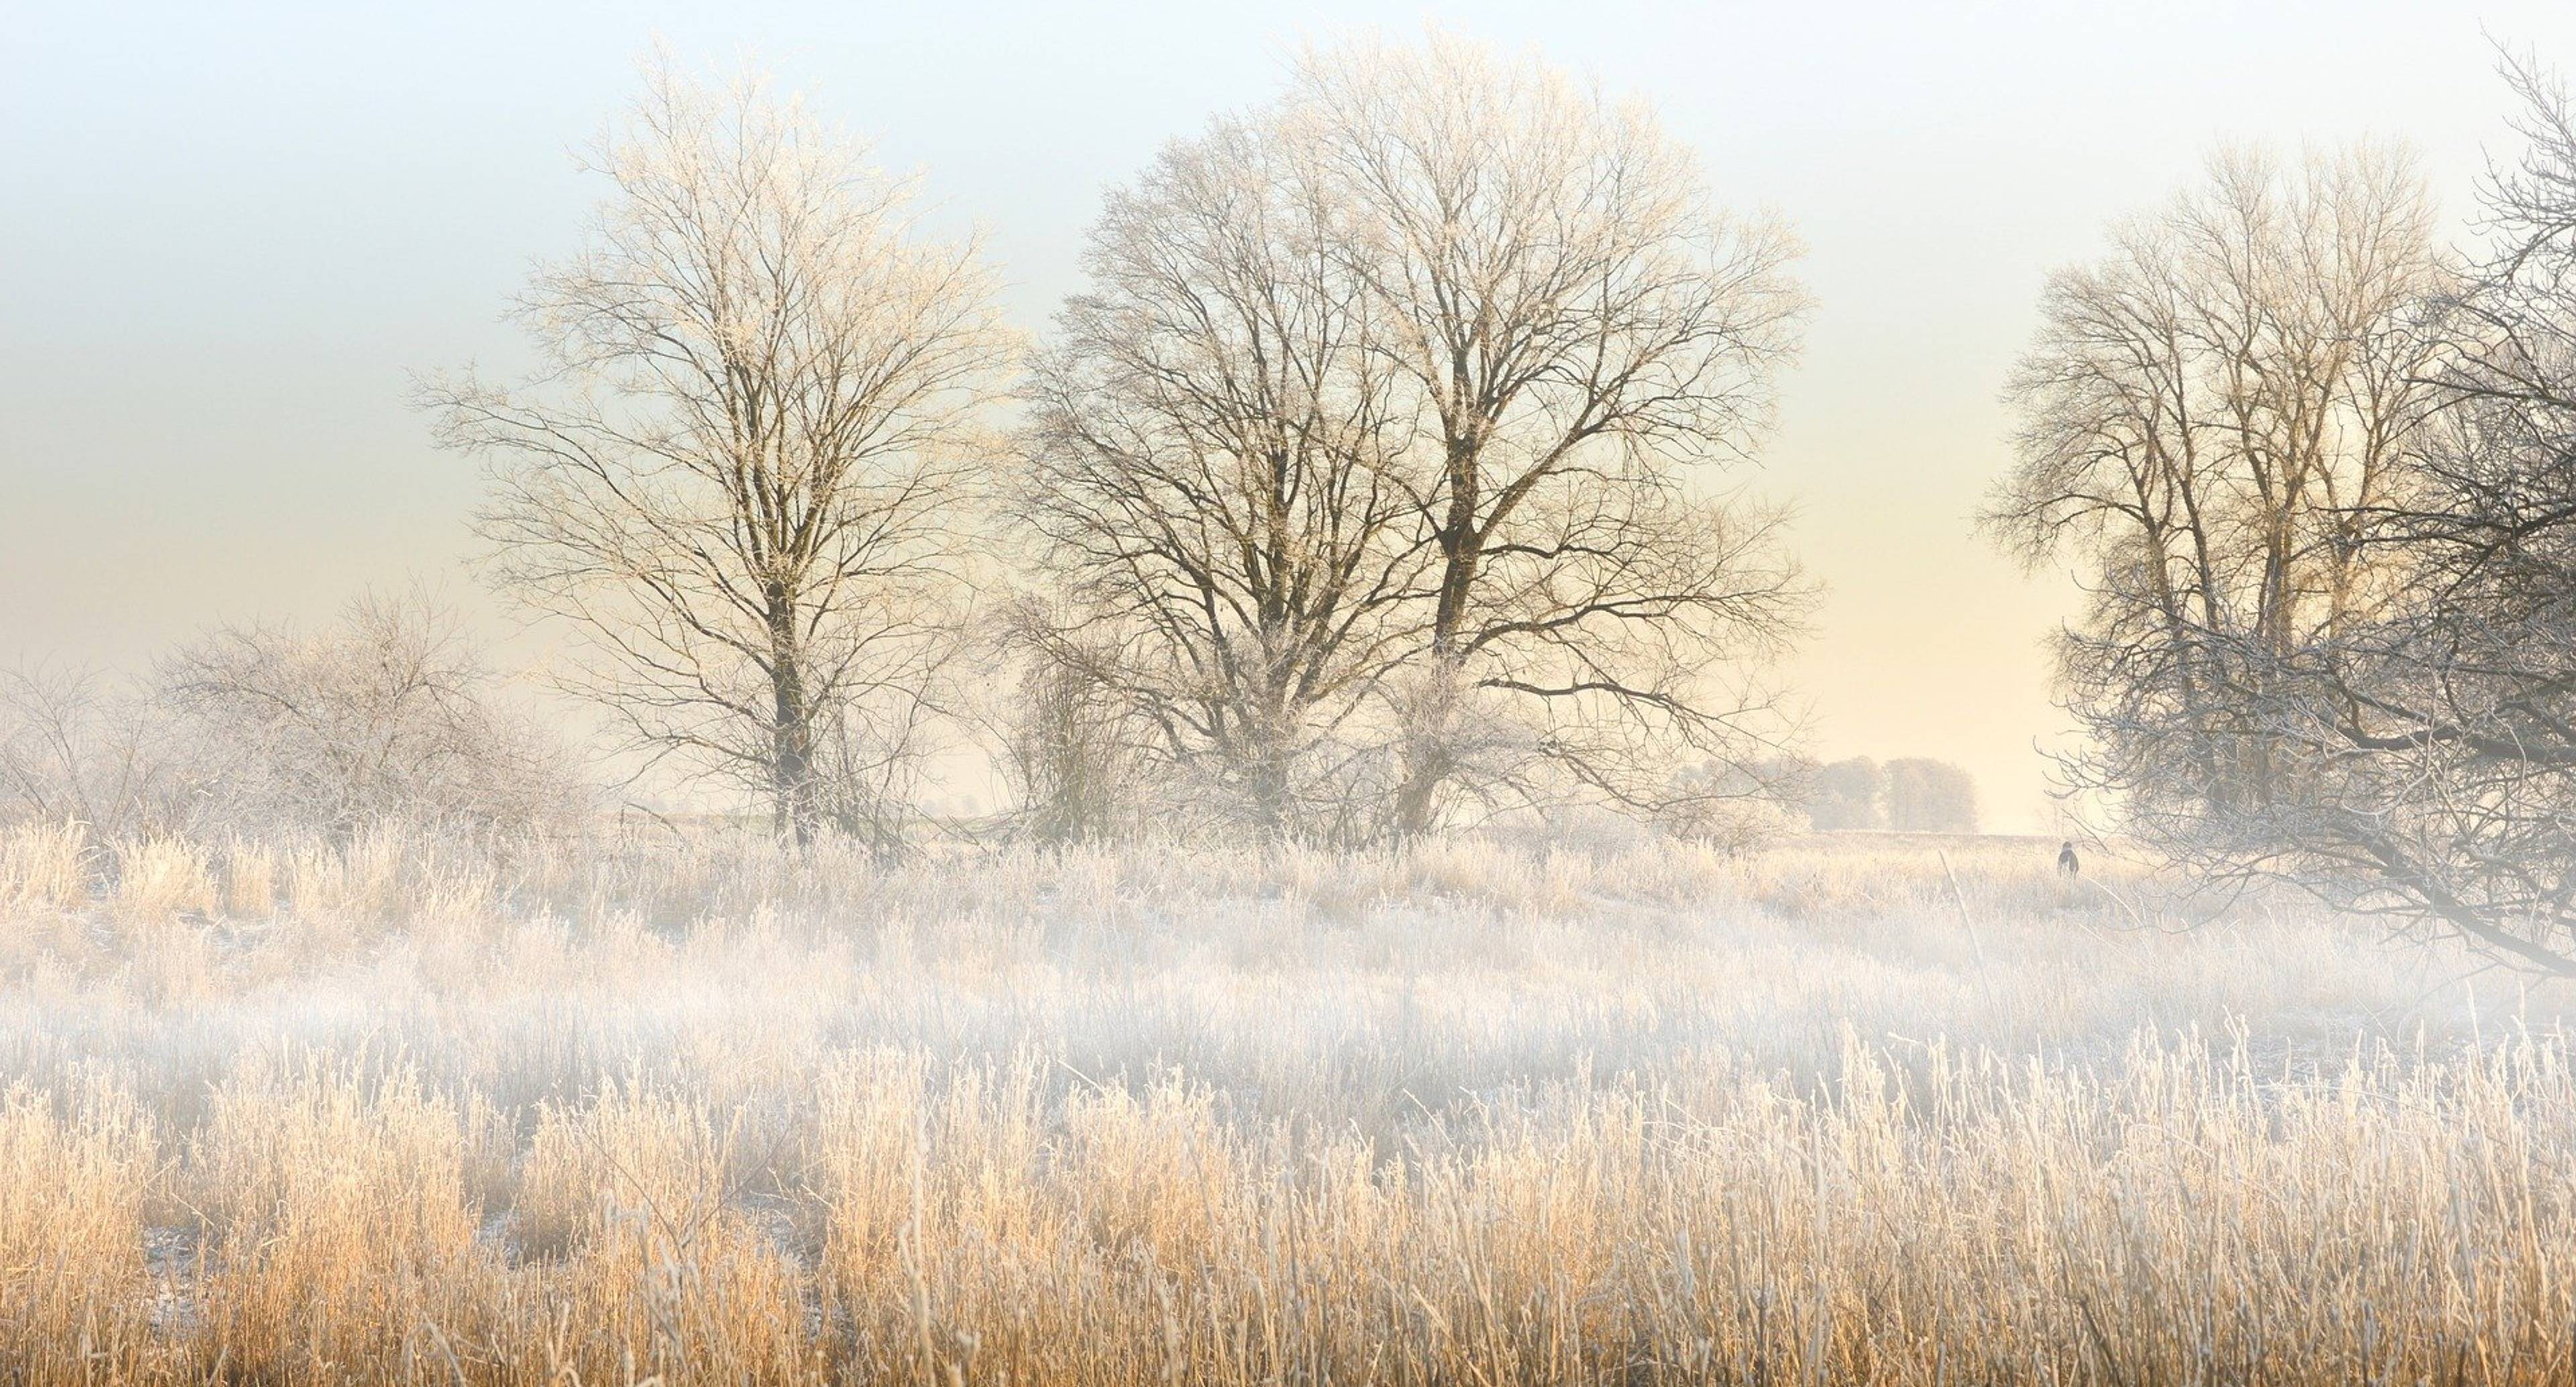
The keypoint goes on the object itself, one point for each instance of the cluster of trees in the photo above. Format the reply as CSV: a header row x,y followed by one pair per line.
x,y
1909,794
2317,474
1368,488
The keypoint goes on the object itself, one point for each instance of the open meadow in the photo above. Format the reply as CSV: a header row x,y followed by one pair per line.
x,y
1860,1108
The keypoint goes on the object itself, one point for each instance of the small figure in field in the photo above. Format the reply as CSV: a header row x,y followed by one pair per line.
x,y
2066,863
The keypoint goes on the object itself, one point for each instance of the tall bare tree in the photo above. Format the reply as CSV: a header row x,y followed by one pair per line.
x,y
1211,465
2438,736
737,476
2220,424
1586,335
2209,415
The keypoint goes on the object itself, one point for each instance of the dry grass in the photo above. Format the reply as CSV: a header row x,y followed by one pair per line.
x,y
159,879
705,1113
43,867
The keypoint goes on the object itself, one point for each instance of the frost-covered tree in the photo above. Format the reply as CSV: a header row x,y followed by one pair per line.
x,y
2314,485
1380,456
1587,338
2210,418
1214,472
388,716
739,477
79,745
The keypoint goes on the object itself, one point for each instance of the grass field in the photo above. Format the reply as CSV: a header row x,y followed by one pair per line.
x,y
1860,1109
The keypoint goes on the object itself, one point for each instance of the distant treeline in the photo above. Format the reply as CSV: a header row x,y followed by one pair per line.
x,y
1909,794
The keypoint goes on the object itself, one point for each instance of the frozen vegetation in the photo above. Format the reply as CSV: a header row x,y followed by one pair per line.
x,y
1882,1108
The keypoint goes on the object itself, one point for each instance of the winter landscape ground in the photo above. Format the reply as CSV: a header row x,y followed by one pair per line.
x,y
1859,1108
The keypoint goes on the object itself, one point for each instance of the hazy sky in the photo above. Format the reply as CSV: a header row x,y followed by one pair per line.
x,y
229,233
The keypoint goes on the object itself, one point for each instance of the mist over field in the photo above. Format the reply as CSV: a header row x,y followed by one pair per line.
x,y
1305,805
1883,1108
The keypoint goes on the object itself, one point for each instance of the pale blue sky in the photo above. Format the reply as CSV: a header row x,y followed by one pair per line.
x,y
229,233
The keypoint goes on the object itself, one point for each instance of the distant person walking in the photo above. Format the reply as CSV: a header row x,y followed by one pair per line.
x,y
2066,863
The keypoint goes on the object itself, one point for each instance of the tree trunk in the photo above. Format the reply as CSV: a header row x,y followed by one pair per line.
x,y
791,763
1269,796
1427,762
1413,797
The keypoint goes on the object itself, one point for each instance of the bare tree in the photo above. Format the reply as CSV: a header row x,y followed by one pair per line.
x,y
737,478
2220,424
1210,468
1585,336
2438,736
1742,806
77,745
1910,794
390,716
1080,759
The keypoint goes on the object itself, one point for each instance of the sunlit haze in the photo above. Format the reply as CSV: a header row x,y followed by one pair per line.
x,y
231,235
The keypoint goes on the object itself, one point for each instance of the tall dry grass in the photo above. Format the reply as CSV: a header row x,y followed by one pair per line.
x,y
1897,1111
43,867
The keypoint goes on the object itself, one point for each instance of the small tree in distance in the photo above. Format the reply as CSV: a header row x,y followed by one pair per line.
x,y
1909,795
388,716
1925,796
1846,794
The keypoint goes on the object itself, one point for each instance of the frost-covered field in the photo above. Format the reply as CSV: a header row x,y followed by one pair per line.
x,y
399,1113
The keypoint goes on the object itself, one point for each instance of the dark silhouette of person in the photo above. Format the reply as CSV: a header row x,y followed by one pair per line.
x,y
2066,863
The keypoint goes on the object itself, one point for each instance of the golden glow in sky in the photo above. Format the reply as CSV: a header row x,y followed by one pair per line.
x,y
231,238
